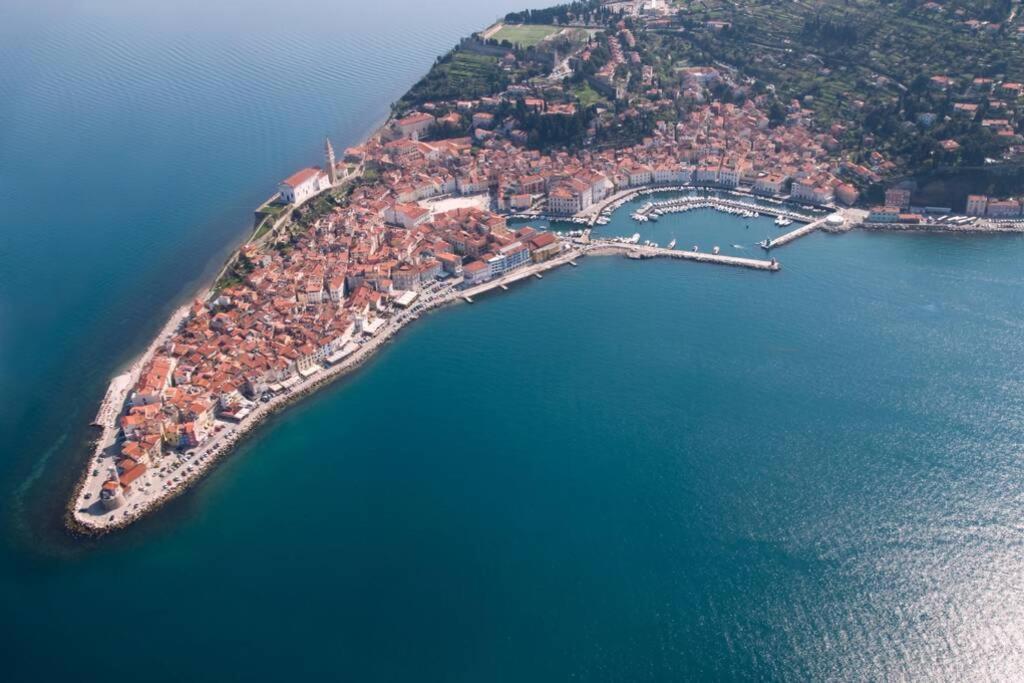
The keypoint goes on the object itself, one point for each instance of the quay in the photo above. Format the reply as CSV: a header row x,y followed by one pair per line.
x,y
520,274
834,219
643,252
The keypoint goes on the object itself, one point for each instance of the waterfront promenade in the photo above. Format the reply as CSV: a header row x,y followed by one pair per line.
x,y
796,234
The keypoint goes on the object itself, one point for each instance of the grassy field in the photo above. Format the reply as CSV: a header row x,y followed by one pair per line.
x,y
524,35
586,95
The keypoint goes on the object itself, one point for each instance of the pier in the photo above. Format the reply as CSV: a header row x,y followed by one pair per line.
x,y
795,234
643,252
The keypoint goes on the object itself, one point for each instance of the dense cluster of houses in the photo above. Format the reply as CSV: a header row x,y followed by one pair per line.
x,y
718,144
303,304
304,301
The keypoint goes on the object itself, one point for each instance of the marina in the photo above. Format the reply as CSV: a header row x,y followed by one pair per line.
x,y
723,199
651,211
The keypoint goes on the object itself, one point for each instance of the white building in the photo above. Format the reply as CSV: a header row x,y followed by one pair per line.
x,y
884,214
414,125
729,176
770,185
562,201
809,191
303,185
516,254
639,176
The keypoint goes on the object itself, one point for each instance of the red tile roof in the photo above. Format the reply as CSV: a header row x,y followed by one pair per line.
x,y
300,177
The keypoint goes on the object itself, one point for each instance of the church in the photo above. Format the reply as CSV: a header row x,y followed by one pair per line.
x,y
309,182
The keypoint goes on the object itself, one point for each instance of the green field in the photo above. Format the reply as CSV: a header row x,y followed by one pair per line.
x,y
524,35
586,95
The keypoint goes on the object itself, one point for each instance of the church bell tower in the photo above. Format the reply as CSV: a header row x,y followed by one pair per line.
x,y
332,173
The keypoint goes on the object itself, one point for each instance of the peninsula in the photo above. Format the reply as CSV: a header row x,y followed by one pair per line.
x,y
557,115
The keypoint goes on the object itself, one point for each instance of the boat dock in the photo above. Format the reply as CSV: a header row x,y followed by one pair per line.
x,y
792,235
644,252
747,209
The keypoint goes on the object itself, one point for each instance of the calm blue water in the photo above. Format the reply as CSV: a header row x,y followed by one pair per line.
x,y
627,471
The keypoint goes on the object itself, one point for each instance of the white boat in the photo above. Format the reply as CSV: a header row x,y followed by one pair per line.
x,y
672,244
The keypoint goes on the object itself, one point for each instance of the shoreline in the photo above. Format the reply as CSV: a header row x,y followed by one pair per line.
x,y
109,432
207,455
217,448
84,516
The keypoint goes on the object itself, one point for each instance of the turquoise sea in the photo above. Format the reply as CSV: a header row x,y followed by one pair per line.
x,y
628,471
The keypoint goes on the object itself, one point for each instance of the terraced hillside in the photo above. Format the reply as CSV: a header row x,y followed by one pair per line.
x,y
836,48
907,77
459,74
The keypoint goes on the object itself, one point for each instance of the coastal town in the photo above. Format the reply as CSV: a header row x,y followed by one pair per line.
x,y
436,208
